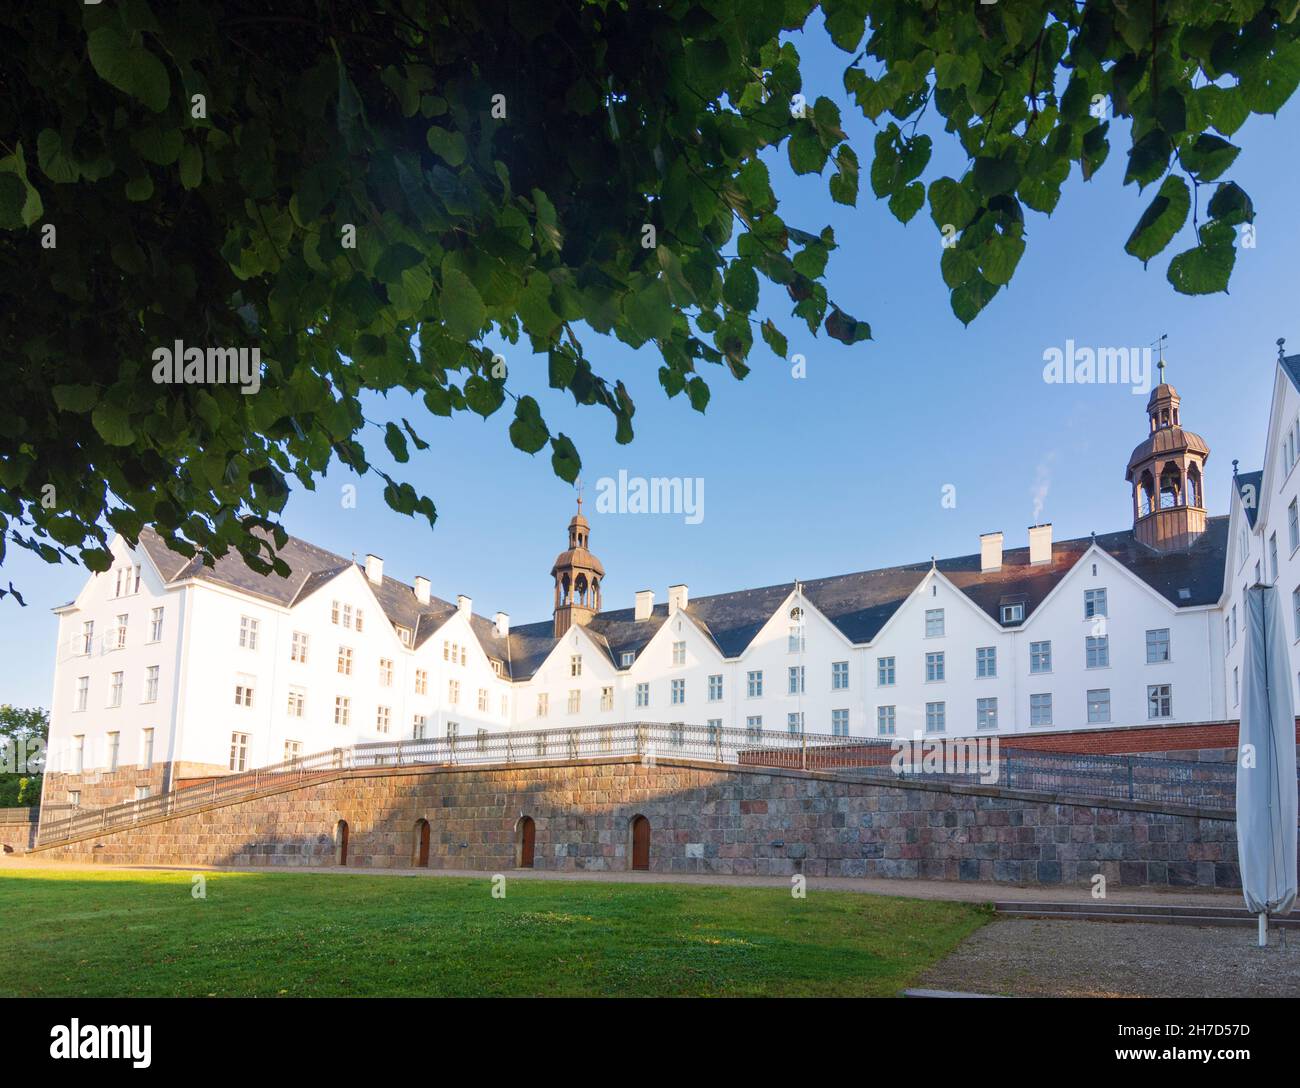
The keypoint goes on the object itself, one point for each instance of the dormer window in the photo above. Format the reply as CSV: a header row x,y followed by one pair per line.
x,y
628,658
1013,612
404,633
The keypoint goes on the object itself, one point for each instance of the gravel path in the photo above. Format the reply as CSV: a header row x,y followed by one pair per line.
x,y
1036,958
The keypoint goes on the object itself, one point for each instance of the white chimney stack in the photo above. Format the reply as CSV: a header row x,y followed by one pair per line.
x,y
464,605
1040,543
645,603
990,551
422,589
375,569
502,625
677,598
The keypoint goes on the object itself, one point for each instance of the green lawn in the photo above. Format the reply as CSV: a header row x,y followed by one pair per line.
x,y
117,933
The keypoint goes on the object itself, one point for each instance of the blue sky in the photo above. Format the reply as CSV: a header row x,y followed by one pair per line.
x,y
845,468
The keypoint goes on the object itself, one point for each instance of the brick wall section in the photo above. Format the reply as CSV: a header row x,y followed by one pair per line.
x,y
18,829
1178,741
100,789
703,820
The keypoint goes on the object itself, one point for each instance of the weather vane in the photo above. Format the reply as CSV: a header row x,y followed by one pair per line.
x,y
1159,345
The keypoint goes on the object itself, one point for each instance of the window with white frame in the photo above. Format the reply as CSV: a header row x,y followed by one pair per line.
x,y
678,692
115,690
360,618
1272,556
712,730
795,680
1094,603
151,684
986,713
754,729
1099,705
156,625
334,613
886,720
342,710
839,676
292,750
936,717
1097,651
606,698
642,695
78,754
715,687
298,647
575,665
934,669
244,694
934,623
345,661
885,672
794,722
74,798
419,723
239,751
87,637
1013,613
83,691
543,704
404,635
1234,624
497,667
247,633
135,586
297,703
796,642
483,699
1236,686
120,639
142,793
1040,656
421,681
679,653
453,730
1160,701
754,683
383,719
385,672
1040,709
114,750
986,661
1157,645
453,692
146,748
677,733
627,659
575,700
1293,525
840,722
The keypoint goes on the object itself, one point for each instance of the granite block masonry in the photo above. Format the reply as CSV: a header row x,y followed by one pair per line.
x,y
703,819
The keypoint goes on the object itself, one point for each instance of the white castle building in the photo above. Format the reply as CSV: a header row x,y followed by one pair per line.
x,y
168,670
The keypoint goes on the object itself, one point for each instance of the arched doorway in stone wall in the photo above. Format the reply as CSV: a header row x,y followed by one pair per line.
x,y
420,848
525,842
639,833
341,842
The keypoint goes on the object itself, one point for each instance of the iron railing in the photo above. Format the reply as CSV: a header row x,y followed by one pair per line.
x,y
643,739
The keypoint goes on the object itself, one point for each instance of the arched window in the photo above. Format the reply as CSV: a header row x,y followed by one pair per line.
x,y
1194,497
580,590
341,842
525,842
1171,487
639,832
1146,493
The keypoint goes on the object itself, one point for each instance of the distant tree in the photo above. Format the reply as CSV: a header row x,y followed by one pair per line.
x,y
365,191
21,758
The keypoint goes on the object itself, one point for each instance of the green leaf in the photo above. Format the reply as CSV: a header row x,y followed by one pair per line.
x,y
1202,270
564,458
847,330
13,194
53,160
1231,205
950,204
1209,156
740,287
906,202
462,307
191,169
396,442
528,432
996,175
649,311
134,70
113,424
1161,221
447,145
76,398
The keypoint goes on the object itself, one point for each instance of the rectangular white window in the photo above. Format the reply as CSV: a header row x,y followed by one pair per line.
x,y
795,680
986,661
839,676
453,730
74,798
1236,686
1293,524
886,720
334,612
342,710
840,723
1160,701
606,698
794,722
292,750
795,641
114,750
360,617
575,665
1094,603
1040,656
1013,613
679,653
1040,709
483,699
1099,705
885,672
421,681
754,683
78,754
1157,645
453,692
934,623
87,636
243,695
239,751
936,716
934,667
418,725
247,633
642,695
297,703
543,704
1272,556
151,684
120,639
298,648
385,672
345,661
135,585
83,691
146,748
142,793
1295,611
383,719
404,635
715,687
986,713
575,700
155,625
712,730
115,690
627,660
678,692
1097,651
347,615
754,729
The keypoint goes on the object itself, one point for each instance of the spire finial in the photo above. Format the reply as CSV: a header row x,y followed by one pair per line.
x,y
579,486
1234,468
1281,348
1159,345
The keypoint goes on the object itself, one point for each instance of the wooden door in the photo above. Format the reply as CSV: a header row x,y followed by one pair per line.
x,y
641,843
423,860
527,842
343,842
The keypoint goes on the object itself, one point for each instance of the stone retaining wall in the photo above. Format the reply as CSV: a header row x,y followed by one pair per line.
x,y
18,829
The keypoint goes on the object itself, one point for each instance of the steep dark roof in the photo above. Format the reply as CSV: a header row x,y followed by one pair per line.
x,y
1250,498
1291,364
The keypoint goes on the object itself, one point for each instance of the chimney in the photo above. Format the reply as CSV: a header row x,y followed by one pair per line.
x,y
677,598
990,551
1040,543
375,569
645,603
422,589
464,605
501,628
